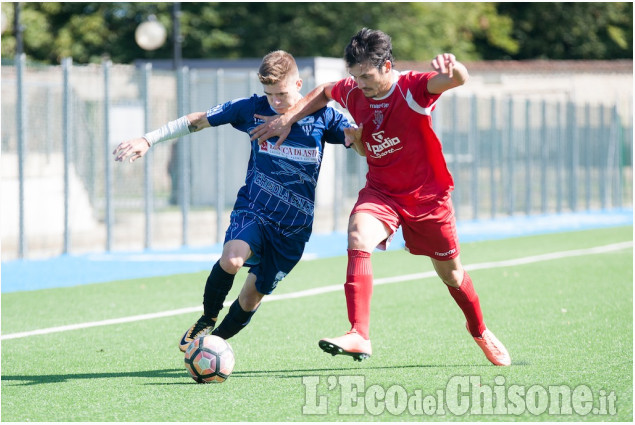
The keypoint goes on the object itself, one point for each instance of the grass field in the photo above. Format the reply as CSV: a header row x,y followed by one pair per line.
x,y
567,322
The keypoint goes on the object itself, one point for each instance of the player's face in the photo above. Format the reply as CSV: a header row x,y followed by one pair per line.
x,y
283,95
373,81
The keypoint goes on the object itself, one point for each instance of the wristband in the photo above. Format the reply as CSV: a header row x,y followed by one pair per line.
x,y
172,130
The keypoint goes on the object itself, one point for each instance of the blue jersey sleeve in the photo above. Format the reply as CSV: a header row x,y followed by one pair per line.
x,y
335,122
235,112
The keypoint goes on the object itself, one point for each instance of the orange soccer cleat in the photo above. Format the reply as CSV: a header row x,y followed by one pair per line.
x,y
351,344
494,350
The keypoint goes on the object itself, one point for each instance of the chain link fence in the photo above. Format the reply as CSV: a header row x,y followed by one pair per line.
x,y
63,193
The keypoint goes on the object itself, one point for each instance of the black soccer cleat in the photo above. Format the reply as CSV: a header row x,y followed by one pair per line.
x,y
352,344
203,326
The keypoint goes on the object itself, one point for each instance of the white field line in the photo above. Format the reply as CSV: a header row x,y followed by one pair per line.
x,y
331,288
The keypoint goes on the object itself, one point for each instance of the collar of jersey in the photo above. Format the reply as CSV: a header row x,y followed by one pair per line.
x,y
395,78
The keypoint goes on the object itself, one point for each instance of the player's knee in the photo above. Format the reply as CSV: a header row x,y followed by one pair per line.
x,y
452,278
231,264
357,240
354,239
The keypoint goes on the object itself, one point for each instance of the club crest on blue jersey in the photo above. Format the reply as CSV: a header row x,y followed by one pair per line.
x,y
307,124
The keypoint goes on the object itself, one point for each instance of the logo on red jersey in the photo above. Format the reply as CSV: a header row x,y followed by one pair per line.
x,y
384,145
379,118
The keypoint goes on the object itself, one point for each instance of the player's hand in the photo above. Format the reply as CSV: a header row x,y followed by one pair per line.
x,y
131,149
353,138
444,64
273,126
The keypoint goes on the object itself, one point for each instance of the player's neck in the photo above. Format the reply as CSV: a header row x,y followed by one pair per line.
x,y
391,80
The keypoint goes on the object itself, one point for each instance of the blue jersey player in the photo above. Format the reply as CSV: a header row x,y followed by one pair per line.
x,y
273,214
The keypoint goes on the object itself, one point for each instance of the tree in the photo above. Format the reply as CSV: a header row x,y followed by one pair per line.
x,y
569,30
89,31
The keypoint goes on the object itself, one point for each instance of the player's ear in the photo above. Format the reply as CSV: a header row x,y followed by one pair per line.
x,y
298,84
388,66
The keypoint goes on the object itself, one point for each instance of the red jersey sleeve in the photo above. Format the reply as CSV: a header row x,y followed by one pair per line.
x,y
419,82
341,90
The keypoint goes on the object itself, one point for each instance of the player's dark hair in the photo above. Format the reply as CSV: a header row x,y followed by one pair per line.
x,y
372,46
277,66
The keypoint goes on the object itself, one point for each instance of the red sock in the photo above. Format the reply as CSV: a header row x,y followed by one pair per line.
x,y
359,289
467,299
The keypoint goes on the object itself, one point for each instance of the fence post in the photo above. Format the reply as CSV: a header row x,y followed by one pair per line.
x,y
493,141
560,158
183,157
510,157
67,63
602,162
220,171
575,155
147,164
21,139
612,154
544,157
588,155
617,126
109,213
528,158
473,141
338,190
456,166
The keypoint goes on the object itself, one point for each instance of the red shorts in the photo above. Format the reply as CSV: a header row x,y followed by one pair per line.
x,y
428,228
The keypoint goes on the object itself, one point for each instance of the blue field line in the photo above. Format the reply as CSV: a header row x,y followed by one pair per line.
x,y
72,270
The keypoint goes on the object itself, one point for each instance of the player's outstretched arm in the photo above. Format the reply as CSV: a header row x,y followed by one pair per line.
x,y
451,73
280,126
136,148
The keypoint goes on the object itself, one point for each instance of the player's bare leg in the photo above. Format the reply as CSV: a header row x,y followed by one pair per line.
x,y
365,232
460,285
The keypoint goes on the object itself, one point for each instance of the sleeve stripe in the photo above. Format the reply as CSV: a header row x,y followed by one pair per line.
x,y
416,107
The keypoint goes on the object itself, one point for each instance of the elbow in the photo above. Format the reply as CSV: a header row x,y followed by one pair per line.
x,y
464,76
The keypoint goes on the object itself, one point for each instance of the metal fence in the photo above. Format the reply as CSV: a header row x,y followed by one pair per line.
x,y
63,193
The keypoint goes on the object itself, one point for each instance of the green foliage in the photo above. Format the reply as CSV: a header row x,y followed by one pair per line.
x,y
571,30
472,31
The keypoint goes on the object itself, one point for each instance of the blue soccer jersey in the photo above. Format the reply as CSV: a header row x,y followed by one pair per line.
x,y
280,183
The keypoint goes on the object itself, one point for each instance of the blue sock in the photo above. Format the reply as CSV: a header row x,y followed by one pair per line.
x,y
234,322
217,287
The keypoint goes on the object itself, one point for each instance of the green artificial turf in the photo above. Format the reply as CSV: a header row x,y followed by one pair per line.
x,y
567,323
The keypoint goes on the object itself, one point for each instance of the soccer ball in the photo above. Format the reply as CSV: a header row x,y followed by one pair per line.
x,y
209,359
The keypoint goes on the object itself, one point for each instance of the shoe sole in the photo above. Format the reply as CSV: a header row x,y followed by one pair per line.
x,y
334,350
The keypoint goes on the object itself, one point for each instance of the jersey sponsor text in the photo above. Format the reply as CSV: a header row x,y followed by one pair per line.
x,y
384,146
285,195
293,153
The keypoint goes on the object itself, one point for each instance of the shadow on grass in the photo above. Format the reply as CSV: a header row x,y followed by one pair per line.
x,y
183,376
51,379
298,373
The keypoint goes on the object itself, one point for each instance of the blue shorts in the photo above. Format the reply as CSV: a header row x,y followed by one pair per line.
x,y
273,255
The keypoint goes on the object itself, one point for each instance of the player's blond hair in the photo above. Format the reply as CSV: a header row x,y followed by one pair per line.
x,y
277,66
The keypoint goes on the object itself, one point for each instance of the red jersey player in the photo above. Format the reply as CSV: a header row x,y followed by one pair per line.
x,y
408,183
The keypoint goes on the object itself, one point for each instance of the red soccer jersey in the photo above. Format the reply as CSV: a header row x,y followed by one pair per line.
x,y
404,155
